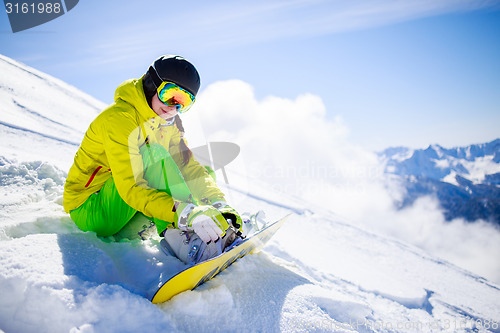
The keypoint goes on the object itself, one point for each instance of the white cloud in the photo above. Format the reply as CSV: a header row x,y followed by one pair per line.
x,y
474,246
294,146
293,137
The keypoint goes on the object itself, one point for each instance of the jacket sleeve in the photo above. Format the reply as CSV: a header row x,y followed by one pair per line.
x,y
121,143
199,181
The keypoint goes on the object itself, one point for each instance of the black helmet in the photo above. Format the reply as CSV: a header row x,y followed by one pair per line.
x,y
174,69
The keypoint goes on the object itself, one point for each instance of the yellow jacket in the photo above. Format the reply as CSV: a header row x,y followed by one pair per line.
x,y
111,148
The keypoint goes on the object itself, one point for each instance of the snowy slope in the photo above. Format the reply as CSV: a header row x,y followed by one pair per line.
x,y
39,111
319,273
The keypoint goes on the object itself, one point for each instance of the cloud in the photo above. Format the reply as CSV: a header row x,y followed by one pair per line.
x,y
293,145
298,143
474,246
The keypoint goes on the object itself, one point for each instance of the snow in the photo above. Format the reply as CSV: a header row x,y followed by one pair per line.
x,y
319,273
476,169
451,178
480,167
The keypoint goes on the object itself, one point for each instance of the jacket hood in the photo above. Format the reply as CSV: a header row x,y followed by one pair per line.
x,y
132,92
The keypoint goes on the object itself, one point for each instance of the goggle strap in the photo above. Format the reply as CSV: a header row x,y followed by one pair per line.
x,y
155,79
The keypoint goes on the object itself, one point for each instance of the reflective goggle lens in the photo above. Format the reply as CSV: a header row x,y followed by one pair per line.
x,y
173,95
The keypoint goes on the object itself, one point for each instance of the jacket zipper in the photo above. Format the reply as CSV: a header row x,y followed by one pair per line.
x,y
93,175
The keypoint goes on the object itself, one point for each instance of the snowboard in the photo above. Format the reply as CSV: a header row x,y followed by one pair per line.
x,y
196,275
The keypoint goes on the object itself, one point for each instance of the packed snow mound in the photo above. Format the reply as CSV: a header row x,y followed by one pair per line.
x,y
318,273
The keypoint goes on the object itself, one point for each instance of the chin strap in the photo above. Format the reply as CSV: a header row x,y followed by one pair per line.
x,y
169,122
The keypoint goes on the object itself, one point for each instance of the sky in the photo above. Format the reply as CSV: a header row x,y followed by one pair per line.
x,y
394,73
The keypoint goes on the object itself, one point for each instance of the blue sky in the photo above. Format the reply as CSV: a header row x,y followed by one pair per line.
x,y
411,73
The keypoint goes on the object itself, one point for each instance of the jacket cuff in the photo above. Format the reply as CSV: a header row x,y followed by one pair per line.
x,y
219,204
216,199
181,221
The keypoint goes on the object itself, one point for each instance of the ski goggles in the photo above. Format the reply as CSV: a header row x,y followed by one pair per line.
x,y
172,95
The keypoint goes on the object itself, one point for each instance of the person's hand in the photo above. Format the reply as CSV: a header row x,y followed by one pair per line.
x,y
231,215
206,221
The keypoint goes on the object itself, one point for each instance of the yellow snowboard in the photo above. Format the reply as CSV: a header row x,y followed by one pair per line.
x,y
195,276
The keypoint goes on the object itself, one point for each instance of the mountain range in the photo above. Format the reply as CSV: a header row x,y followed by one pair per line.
x,y
465,180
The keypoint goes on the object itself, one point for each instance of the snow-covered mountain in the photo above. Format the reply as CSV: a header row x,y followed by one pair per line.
x,y
466,180
319,273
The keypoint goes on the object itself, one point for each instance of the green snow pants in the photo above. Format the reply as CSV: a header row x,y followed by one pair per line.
x,y
106,213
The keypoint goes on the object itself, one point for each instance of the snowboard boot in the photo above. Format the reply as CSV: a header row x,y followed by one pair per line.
x,y
139,227
190,249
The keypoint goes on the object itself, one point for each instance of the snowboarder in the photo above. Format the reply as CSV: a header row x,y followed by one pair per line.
x,y
134,158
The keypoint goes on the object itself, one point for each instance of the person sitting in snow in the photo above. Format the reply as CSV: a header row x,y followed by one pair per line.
x,y
134,158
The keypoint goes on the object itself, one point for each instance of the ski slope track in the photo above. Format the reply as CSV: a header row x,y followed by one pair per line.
x,y
319,273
